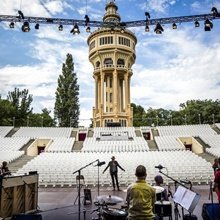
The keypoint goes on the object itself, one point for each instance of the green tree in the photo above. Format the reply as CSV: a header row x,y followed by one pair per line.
x,y
40,119
6,112
66,110
139,115
21,101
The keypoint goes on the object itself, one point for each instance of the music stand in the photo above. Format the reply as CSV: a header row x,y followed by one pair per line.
x,y
186,198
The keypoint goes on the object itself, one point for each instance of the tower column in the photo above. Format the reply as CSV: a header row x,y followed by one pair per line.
x,y
115,89
126,90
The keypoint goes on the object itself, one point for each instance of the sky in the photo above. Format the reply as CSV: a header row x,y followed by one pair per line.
x,y
171,68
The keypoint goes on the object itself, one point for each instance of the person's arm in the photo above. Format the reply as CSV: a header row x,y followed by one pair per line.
x,y
106,167
119,166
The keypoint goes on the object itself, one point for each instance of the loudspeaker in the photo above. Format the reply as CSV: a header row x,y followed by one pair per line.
x,y
27,217
211,211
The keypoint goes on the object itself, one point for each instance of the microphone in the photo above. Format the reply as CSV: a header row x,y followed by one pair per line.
x,y
100,164
160,167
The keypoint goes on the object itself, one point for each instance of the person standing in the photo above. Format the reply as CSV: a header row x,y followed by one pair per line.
x,y
215,165
113,168
4,169
217,182
140,197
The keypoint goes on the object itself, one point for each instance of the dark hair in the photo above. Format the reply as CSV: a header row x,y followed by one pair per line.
x,y
141,171
158,179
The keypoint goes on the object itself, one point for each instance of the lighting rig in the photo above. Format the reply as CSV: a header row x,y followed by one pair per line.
x,y
112,25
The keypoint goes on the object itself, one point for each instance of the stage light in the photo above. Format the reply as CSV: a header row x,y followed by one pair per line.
x,y
197,24
60,28
147,29
37,26
75,30
147,14
214,11
158,29
12,25
88,29
87,19
25,27
208,25
21,15
174,26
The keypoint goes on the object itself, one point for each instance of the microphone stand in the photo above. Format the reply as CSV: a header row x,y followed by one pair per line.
x,y
79,174
98,177
176,211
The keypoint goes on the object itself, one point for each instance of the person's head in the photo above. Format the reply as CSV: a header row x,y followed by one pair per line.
x,y
4,163
158,179
141,172
113,158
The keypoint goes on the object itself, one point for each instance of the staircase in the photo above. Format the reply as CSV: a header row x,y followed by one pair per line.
x,y
73,134
216,129
19,163
77,145
138,133
13,131
208,157
152,145
90,133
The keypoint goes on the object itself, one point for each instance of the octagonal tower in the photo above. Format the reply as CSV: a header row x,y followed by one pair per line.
x,y
112,54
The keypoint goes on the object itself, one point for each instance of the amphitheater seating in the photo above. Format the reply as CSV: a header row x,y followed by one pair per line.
x,y
168,143
35,132
186,130
61,144
57,168
13,143
218,125
9,155
214,142
114,139
4,130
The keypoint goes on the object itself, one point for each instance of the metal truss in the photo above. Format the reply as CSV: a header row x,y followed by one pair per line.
x,y
112,24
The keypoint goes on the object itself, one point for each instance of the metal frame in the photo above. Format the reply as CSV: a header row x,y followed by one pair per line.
x,y
112,24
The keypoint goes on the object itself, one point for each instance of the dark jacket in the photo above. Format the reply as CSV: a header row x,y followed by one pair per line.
x,y
110,164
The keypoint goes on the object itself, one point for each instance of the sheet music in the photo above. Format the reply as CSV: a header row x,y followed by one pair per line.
x,y
186,198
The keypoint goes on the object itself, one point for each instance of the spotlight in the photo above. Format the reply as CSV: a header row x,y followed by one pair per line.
x,y
12,25
196,23
174,26
214,11
37,26
147,14
208,25
158,29
21,15
25,27
147,29
88,29
75,30
60,28
86,19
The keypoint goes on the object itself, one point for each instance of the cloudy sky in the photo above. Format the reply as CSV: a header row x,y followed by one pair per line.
x,y
170,69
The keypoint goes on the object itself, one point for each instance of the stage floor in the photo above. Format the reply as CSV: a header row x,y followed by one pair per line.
x,y
58,203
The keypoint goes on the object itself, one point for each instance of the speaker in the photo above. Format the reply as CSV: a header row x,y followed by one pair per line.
x,y
27,217
211,211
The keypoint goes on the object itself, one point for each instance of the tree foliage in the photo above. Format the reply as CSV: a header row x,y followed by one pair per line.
x,y
66,110
21,102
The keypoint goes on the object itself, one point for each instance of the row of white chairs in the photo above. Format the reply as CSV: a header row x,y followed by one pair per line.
x,y
136,144
214,151
182,164
9,155
212,140
168,143
35,132
61,145
186,130
13,143
4,130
